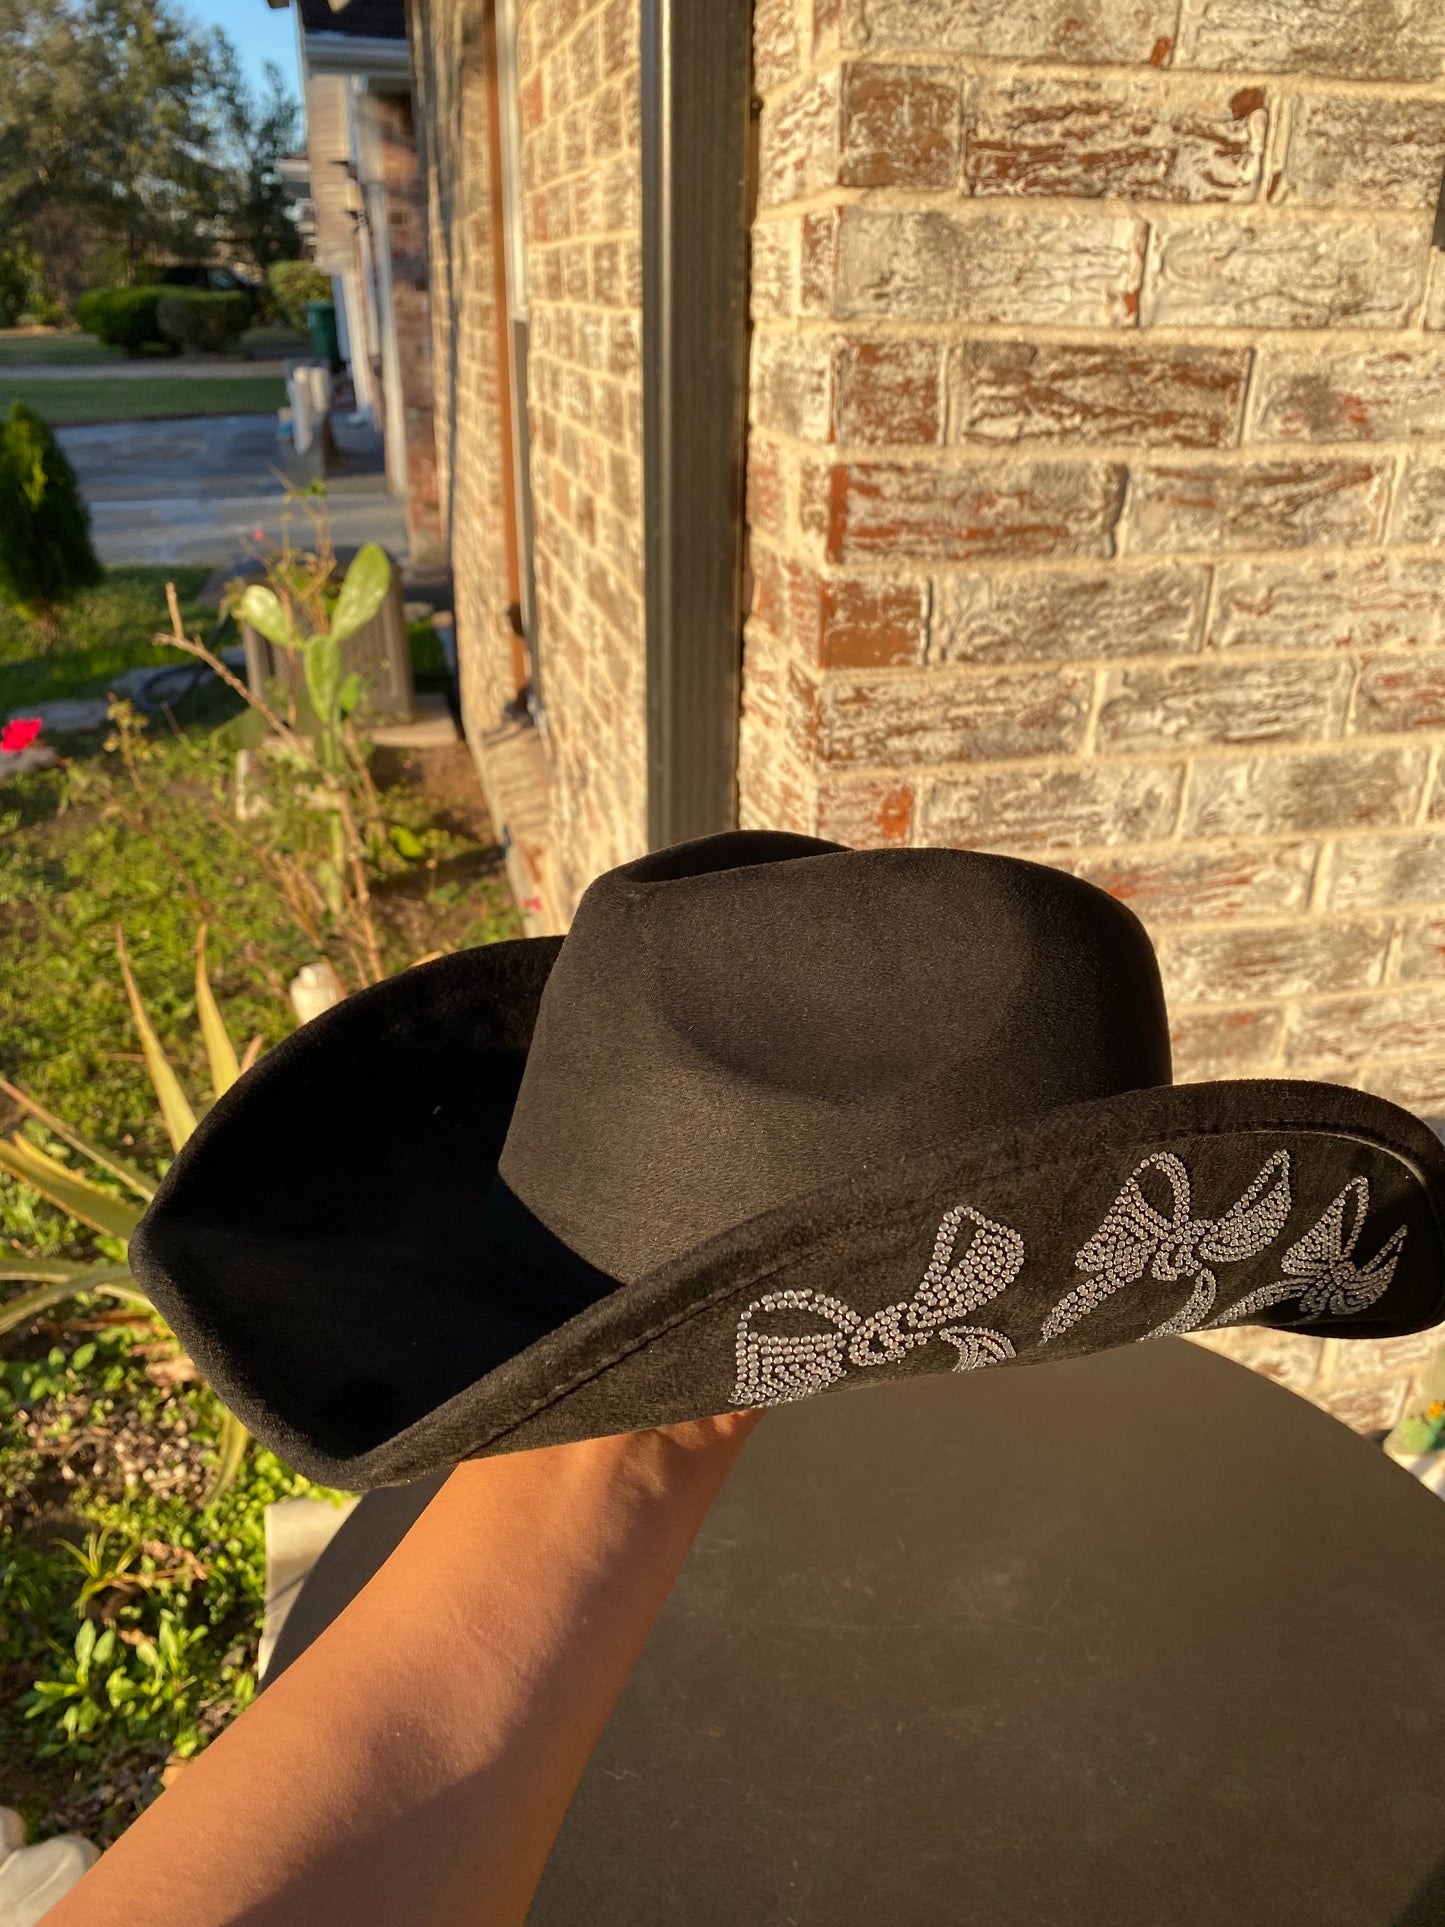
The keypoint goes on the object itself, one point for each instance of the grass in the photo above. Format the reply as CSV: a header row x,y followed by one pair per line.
x,y
142,397
108,1568
66,348
53,349
104,632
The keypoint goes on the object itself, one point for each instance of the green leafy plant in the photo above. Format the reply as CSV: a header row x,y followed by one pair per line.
x,y
45,549
106,1208
125,317
209,323
294,283
315,743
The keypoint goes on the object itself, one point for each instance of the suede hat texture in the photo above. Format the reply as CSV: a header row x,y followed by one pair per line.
x,y
776,1118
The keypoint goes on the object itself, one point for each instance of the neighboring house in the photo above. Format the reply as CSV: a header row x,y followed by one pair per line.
x,y
1085,360
368,211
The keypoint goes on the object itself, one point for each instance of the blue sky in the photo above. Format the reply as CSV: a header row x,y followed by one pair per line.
x,y
259,33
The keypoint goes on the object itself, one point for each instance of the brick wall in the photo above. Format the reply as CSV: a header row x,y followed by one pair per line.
x,y
1098,477
406,215
1097,482
449,62
578,75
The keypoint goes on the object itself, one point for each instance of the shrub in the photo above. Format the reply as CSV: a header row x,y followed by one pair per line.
x,y
210,323
125,317
45,548
294,283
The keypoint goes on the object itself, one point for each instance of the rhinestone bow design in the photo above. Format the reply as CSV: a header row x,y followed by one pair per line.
x,y
776,1367
1135,1237
1320,1270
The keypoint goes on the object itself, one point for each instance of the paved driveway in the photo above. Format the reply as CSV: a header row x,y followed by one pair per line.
x,y
198,491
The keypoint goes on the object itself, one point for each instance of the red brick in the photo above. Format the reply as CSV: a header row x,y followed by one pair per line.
x,y
1273,961
1059,807
871,815
1381,873
888,393
818,260
1422,949
1420,507
767,489
1136,139
1354,153
949,718
1286,1357
1029,266
777,57
1397,694
1352,40
955,513
871,625
1223,1043
1393,1023
1374,1359
1304,793
1270,505
1350,394
1418,1087
1059,615
1377,602
1187,704
774,280
900,127
799,142
1188,886
1146,395
620,22
1292,271
792,385
1093,31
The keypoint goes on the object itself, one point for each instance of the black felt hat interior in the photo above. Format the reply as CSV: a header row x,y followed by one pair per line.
x,y
776,1119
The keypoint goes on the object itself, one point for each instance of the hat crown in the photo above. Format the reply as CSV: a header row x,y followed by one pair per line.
x,y
736,1022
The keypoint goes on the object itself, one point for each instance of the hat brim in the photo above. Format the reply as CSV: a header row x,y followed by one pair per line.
x,y
330,1245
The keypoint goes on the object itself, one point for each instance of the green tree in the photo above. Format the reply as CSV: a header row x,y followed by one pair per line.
x,y
45,548
262,128
127,137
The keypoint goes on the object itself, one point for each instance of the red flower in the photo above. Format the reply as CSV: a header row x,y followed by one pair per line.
x,y
20,734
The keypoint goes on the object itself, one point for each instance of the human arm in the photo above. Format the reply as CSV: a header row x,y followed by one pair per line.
x,y
413,1766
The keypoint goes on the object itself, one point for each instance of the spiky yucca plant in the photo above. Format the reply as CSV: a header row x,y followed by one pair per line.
x,y
55,1280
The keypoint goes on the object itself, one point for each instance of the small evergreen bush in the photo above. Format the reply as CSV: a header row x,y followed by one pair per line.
x,y
294,283
125,317
209,323
45,548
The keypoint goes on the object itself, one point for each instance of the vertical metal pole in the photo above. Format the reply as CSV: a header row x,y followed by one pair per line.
x,y
696,107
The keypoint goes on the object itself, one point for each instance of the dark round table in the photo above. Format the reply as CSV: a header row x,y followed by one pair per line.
x,y
1137,1641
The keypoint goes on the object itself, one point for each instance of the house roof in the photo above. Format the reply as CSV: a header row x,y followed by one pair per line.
x,y
362,19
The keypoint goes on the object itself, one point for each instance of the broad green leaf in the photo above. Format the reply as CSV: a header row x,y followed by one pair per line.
x,y
179,1118
323,675
362,593
118,1167
106,1281
406,843
230,1451
220,1051
350,693
265,610
67,1190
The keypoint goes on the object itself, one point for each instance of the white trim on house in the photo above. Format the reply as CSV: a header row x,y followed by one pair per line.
x,y
376,57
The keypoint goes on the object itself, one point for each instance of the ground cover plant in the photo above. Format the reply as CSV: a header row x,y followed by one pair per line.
x,y
130,398
129,1612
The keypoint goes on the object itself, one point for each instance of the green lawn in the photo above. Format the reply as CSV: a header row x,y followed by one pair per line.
x,y
56,348
142,398
53,350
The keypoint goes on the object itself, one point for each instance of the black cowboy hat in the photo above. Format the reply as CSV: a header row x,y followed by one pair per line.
x,y
776,1118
